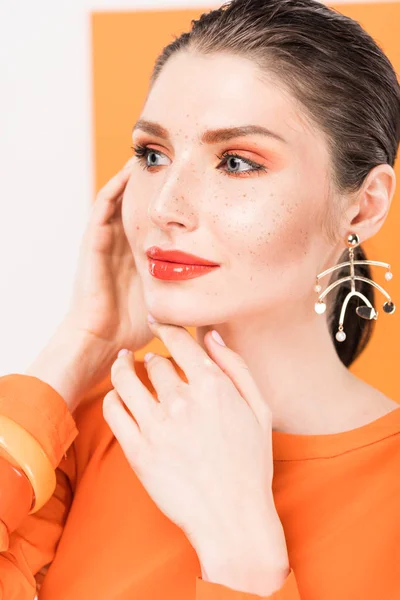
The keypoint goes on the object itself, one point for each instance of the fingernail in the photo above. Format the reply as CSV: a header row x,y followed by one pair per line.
x,y
150,318
148,356
123,352
217,337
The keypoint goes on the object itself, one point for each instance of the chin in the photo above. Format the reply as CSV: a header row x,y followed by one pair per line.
x,y
175,316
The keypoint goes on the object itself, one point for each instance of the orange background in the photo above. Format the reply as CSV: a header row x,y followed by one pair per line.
x,y
125,45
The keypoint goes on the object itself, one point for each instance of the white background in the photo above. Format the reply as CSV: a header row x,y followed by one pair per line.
x,y
46,183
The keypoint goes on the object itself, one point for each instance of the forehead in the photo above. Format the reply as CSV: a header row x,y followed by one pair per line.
x,y
197,91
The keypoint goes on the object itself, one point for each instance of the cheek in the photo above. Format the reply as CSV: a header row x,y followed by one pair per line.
x,y
274,231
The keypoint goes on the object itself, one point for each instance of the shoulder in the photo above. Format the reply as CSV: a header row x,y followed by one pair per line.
x,y
364,404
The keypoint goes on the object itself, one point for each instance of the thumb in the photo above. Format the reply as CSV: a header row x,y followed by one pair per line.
x,y
235,367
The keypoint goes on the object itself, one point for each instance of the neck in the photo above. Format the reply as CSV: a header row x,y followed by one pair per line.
x,y
296,367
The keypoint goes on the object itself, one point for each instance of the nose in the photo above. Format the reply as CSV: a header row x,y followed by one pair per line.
x,y
173,206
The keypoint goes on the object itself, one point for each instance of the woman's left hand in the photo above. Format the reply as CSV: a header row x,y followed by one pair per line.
x,y
204,450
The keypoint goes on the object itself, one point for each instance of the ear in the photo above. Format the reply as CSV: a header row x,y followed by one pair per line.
x,y
367,213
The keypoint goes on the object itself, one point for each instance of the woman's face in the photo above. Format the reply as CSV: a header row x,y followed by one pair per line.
x,y
258,214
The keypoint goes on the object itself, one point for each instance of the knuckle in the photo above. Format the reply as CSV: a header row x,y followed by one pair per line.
x,y
177,407
155,360
160,417
212,369
215,380
177,403
169,391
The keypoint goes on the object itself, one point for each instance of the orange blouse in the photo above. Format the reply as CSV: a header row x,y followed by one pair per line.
x,y
101,537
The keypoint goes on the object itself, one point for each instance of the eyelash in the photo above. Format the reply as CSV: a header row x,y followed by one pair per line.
x,y
141,151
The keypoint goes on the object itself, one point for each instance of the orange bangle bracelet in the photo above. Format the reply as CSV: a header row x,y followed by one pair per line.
x,y
16,499
30,457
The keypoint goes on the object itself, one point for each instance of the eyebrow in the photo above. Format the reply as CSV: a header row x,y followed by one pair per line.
x,y
210,136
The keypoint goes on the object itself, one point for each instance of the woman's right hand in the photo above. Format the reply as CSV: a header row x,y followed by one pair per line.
x,y
106,282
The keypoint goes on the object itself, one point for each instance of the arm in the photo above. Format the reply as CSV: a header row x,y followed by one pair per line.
x,y
72,363
40,410
32,546
42,402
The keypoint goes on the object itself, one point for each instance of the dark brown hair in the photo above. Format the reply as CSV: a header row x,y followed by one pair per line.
x,y
347,87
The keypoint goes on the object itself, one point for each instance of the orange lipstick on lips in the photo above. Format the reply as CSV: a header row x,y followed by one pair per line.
x,y
175,265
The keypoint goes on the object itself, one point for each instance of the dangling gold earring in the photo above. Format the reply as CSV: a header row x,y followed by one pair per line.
x,y
365,312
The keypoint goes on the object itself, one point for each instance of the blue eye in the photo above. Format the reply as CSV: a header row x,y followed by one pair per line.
x,y
254,167
143,153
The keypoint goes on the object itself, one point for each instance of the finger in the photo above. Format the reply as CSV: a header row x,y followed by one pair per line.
x,y
184,349
121,423
163,375
133,392
116,211
235,367
109,195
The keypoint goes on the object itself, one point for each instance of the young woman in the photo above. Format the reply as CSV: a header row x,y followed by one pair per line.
x,y
264,156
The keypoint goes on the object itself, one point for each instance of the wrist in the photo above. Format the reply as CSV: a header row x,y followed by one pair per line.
x,y
71,363
250,575
252,570
250,560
